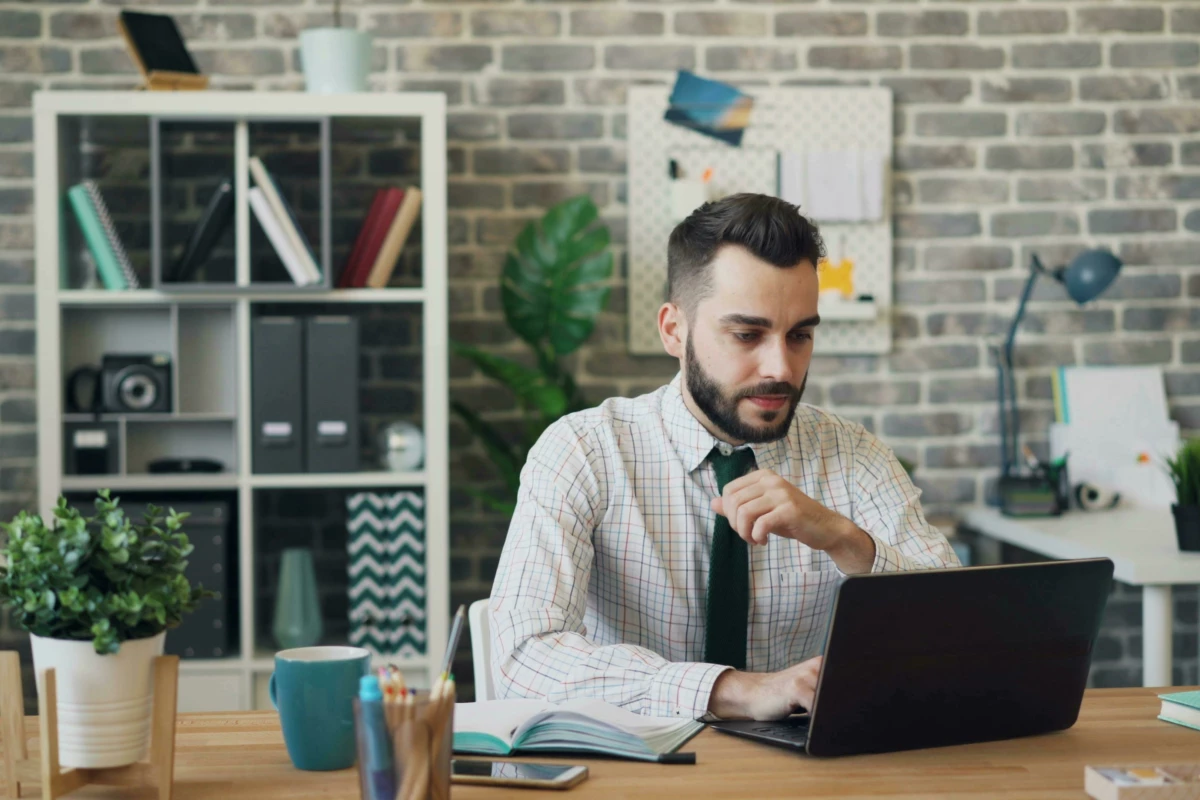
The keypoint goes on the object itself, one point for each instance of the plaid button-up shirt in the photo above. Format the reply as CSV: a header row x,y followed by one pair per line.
x,y
600,591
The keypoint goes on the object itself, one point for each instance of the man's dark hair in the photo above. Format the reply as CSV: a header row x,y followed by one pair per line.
x,y
774,230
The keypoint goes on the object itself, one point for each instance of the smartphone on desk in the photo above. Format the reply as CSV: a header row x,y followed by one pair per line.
x,y
507,773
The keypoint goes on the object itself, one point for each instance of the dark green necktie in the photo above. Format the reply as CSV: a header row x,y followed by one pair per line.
x,y
728,601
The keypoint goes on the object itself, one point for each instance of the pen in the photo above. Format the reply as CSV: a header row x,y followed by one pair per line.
x,y
677,758
380,771
673,169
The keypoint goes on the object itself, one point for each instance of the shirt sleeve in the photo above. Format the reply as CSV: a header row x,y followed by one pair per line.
x,y
540,647
887,506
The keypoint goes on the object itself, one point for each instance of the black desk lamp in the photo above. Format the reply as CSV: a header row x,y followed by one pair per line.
x,y
1087,277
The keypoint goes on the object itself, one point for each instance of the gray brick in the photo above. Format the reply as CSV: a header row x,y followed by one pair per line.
x,y
1070,322
1060,123
913,157
855,57
928,90
750,59
544,194
1116,88
820,23
960,124
962,390
1157,120
1158,187
472,126
945,490
1056,55
446,58
15,271
1189,86
611,22
1144,287
16,165
20,411
602,159
472,194
965,323
1169,319
15,235
955,56
918,292
33,59
1040,354
518,161
650,57
1155,54
555,126
524,92
937,423
16,342
934,226
601,91
17,94
17,375
1022,22
1185,20
958,456
20,24
1073,189
107,61
972,258
962,190
1193,286
415,24
451,88
1017,224
906,24
1030,157
1025,90
1189,352
216,27
289,24
720,23
16,201
547,57
1122,155
875,393
1192,221
931,357
17,306
1131,220
1154,351
1119,20
1160,254
82,25
18,445
905,326
239,62
514,22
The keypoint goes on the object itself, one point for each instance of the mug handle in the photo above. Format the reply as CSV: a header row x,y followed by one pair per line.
x,y
271,692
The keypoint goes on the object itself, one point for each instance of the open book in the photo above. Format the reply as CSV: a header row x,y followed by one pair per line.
x,y
503,727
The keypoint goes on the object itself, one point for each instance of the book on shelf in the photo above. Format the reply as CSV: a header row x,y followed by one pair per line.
x,y
279,240
100,236
374,230
287,220
360,239
505,727
1181,708
393,243
208,229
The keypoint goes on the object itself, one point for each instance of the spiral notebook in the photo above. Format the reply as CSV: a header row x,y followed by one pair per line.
x,y
100,235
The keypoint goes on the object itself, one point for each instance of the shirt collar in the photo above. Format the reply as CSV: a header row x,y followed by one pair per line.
x,y
693,442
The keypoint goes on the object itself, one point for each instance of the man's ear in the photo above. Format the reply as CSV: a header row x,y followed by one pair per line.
x,y
672,329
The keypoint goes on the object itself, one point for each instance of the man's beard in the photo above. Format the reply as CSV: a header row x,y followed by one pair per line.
x,y
721,408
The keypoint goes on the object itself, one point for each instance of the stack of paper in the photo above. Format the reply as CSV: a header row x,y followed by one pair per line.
x,y
834,186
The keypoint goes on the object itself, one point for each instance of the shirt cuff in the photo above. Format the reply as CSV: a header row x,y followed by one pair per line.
x,y
887,558
682,689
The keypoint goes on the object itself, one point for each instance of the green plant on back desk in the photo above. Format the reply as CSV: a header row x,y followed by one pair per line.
x,y
552,288
1184,469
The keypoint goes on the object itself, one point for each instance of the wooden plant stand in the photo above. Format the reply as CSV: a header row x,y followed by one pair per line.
x,y
158,772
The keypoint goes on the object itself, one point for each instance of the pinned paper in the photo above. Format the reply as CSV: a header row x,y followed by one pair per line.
x,y
834,186
836,278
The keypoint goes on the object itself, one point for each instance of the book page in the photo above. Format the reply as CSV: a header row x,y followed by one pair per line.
x,y
498,718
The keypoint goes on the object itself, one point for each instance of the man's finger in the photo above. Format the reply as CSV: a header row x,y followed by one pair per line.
x,y
748,514
746,480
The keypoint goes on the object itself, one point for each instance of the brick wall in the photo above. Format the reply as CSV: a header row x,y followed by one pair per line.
x,y
1020,127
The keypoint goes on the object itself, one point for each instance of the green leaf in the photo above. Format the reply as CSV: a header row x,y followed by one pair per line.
x,y
502,453
530,386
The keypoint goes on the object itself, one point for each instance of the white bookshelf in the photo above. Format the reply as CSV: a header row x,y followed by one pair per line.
x,y
238,682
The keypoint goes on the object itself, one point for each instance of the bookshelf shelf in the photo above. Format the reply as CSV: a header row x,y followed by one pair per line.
x,y
206,328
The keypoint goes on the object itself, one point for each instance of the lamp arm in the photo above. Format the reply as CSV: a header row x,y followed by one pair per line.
x,y
1009,428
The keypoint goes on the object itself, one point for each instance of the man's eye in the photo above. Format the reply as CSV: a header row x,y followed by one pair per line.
x,y
802,336
745,336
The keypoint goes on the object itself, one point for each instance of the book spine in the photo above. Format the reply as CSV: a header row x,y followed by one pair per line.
x,y
343,281
93,234
110,233
387,213
397,235
287,220
279,240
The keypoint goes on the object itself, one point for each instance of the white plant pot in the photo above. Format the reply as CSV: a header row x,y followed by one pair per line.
x,y
104,702
335,60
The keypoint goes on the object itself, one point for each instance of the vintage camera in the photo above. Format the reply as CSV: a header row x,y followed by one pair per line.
x,y
136,384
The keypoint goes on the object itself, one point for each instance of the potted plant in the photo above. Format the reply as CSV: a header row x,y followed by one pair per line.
x,y
335,59
97,594
553,287
1184,470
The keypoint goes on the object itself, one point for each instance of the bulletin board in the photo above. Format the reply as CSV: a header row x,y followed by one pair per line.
x,y
790,119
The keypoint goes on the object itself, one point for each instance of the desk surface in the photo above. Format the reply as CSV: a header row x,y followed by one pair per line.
x,y
1140,542
241,757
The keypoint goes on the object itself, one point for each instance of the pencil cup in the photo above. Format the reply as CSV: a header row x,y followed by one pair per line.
x,y
419,741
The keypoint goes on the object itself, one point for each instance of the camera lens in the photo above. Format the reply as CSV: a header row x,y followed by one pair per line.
x,y
137,390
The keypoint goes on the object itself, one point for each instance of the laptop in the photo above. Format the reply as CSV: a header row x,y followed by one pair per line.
x,y
950,656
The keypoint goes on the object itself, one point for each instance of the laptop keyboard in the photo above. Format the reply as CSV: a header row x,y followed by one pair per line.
x,y
791,733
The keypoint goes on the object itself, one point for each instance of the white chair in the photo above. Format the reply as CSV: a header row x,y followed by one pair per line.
x,y
481,650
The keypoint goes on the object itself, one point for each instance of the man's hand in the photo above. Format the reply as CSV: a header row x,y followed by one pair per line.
x,y
765,695
762,503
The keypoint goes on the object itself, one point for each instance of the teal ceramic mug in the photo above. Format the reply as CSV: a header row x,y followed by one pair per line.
x,y
314,689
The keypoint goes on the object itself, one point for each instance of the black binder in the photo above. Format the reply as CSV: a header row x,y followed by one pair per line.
x,y
277,394
207,230
331,393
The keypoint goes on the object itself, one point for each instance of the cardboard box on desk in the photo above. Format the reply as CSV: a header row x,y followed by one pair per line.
x,y
1143,782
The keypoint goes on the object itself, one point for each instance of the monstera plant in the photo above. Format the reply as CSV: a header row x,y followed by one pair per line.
x,y
553,286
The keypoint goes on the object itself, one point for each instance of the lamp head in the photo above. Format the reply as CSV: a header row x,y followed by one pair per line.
x,y
1089,274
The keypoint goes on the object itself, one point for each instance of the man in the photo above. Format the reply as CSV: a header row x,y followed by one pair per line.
x,y
676,553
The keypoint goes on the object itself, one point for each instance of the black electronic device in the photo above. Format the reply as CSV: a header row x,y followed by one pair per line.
x,y
928,658
174,465
90,448
516,775
158,50
135,383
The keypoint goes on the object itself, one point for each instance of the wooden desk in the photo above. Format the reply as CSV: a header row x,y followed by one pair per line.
x,y
240,756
